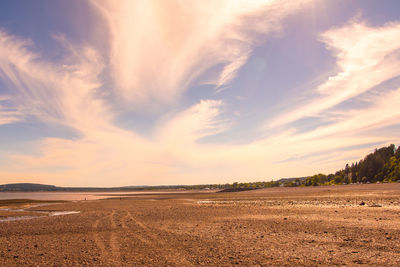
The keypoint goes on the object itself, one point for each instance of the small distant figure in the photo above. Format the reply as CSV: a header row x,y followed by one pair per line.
x,y
85,198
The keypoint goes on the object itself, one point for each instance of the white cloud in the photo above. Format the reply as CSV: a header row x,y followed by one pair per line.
x,y
194,123
112,156
366,56
53,92
8,115
385,111
159,48
104,154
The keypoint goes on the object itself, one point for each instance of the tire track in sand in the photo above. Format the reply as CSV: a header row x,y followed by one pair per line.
x,y
128,218
114,244
106,240
98,240
155,242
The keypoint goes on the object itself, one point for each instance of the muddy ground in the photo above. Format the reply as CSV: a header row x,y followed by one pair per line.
x,y
336,225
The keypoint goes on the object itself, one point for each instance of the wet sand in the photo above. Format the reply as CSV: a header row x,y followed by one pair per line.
x,y
278,226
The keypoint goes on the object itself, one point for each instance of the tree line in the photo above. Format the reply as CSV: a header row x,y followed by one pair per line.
x,y
383,165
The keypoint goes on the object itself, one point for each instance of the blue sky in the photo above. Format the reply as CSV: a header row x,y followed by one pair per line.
x,y
109,93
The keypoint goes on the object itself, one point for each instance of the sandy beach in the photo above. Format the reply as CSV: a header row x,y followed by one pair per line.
x,y
335,225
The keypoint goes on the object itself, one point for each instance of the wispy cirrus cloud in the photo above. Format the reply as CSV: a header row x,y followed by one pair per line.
x,y
158,49
8,114
385,111
66,93
54,92
192,124
366,57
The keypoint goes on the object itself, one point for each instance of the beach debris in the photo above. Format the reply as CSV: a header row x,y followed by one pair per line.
x,y
362,203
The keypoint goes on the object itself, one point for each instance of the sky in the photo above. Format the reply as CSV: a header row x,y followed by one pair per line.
x,y
134,92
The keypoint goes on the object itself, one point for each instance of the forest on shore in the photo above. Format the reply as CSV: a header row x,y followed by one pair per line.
x,y
381,166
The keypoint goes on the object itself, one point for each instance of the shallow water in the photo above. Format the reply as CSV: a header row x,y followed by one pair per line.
x,y
22,217
59,213
18,218
61,195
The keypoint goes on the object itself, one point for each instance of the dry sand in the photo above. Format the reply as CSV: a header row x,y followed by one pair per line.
x,y
279,226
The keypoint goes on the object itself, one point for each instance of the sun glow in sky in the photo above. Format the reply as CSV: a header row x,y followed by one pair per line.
x,y
132,92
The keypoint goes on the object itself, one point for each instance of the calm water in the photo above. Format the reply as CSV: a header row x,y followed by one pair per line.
x,y
64,195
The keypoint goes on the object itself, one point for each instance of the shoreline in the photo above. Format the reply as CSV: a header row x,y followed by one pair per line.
x,y
341,225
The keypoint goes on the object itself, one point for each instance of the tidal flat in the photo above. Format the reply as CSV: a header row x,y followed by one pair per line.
x,y
325,225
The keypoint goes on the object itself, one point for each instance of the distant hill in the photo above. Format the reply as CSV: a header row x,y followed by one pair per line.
x,y
28,187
